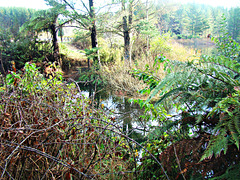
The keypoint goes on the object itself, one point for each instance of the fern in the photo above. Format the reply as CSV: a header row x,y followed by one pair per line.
x,y
236,124
216,145
230,123
208,91
169,80
167,127
168,94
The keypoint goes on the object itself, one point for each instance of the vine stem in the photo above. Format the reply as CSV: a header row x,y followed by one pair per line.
x,y
123,135
178,162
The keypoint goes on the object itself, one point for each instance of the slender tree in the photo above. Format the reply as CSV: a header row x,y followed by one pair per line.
x,y
86,21
93,24
46,20
127,22
93,29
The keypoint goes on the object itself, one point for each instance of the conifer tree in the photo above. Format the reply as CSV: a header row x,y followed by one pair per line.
x,y
234,23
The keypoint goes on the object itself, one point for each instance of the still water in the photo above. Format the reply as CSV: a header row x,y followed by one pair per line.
x,y
127,114
205,45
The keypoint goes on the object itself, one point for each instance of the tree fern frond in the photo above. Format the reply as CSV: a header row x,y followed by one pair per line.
x,y
216,145
209,152
168,80
235,137
223,65
227,78
168,94
234,133
236,121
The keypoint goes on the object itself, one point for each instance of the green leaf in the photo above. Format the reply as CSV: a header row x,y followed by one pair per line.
x,y
216,145
169,80
168,94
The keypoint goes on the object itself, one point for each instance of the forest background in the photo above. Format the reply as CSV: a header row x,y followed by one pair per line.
x,y
137,49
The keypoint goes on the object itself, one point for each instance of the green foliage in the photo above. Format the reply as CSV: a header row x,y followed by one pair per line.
x,y
15,46
205,96
81,39
31,81
12,18
22,49
227,131
150,77
159,45
227,48
233,23
91,53
42,20
109,54
152,170
147,28
92,77
197,22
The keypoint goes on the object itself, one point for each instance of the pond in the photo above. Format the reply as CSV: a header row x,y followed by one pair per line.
x,y
127,114
204,45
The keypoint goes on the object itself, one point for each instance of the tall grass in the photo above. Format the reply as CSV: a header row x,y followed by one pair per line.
x,y
119,75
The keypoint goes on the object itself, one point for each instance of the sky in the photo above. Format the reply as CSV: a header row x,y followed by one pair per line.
x,y
225,3
35,4
40,4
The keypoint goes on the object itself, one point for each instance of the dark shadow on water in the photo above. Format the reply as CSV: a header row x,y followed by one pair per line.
x,y
126,114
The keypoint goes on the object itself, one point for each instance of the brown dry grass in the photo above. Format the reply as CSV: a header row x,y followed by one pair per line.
x,y
119,76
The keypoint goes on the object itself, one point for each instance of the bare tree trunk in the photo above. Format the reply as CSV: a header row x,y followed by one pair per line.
x,y
56,55
126,39
127,22
93,30
147,35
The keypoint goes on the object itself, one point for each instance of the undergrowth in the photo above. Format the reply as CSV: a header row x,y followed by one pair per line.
x,y
49,130
200,139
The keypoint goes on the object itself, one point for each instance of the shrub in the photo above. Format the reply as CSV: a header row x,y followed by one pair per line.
x,y
49,130
109,54
22,49
160,45
139,48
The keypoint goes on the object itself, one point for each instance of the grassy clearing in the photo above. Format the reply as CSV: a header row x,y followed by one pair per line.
x,y
181,53
71,56
71,52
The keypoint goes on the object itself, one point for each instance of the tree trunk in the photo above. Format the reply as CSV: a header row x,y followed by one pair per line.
x,y
56,55
147,35
126,30
126,39
93,29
